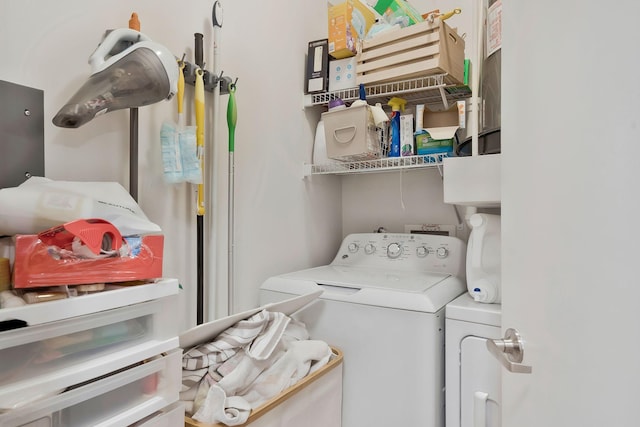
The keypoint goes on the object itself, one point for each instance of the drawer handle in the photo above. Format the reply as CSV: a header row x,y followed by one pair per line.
x,y
349,139
480,409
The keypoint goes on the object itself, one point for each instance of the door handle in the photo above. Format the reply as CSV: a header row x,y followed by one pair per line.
x,y
509,351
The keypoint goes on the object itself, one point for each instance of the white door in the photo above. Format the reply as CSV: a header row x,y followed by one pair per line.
x,y
570,206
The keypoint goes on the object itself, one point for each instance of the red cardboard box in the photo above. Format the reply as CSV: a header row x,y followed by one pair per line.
x,y
37,264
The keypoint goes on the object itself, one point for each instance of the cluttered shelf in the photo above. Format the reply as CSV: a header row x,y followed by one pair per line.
x,y
384,164
427,90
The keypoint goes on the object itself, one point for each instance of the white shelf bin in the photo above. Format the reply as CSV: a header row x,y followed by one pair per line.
x,y
116,400
44,359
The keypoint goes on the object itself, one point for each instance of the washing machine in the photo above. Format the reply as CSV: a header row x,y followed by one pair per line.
x,y
473,375
383,303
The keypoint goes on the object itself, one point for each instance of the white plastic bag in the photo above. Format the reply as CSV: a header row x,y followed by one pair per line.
x,y
40,203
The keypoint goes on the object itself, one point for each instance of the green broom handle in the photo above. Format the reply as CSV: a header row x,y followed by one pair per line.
x,y
232,116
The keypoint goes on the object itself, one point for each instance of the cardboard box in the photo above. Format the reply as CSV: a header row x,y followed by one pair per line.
x,y
440,128
348,22
406,135
317,77
342,74
351,134
36,266
315,401
423,49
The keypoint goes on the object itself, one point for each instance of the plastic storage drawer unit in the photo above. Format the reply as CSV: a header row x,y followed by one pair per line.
x,y
45,359
171,416
117,400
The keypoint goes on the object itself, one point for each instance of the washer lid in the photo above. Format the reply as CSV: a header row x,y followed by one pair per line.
x,y
358,278
466,309
417,291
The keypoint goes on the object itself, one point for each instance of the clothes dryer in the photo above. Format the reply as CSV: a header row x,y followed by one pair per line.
x,y
473,375
383,305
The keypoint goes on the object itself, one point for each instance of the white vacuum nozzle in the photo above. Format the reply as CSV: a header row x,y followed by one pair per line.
x,y
142,74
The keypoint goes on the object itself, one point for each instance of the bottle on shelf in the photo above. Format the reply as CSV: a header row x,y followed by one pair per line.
x,y
397,105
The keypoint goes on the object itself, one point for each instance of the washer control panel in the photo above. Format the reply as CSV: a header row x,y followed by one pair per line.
x,y
401,251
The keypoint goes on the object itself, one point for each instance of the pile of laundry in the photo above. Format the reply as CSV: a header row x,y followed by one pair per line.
x,y
246,365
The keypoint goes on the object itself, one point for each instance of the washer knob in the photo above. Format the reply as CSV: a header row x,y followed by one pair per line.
x,y
442,252
394,250
353,247
369,249
422,251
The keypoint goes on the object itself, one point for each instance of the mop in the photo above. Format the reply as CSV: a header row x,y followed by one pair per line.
x,y
232,117
216,18
199,110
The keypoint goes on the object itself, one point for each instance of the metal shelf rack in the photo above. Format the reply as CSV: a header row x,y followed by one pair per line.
x,y
384,164
425,90
430,90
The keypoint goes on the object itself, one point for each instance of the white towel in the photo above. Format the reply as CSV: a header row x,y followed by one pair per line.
x,y
264,344
245,372
262,331
295,363
218,408
246,365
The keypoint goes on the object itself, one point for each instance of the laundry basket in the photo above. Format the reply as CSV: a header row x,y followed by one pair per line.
x,y
315,401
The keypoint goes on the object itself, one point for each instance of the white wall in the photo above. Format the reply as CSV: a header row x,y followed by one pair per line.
x,y
393,200
282,222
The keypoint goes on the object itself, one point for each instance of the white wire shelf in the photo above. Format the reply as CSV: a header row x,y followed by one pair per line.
x,y
376,165
426,90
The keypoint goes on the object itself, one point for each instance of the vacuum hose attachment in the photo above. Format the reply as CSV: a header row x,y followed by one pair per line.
x,y
143,74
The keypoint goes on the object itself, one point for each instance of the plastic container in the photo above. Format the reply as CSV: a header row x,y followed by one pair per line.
x,y
484,258
118,399
350,134
397,104
43,359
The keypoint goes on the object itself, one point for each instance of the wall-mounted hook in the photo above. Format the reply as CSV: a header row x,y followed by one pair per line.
x,y
209,78
189,73
210,81
225,82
